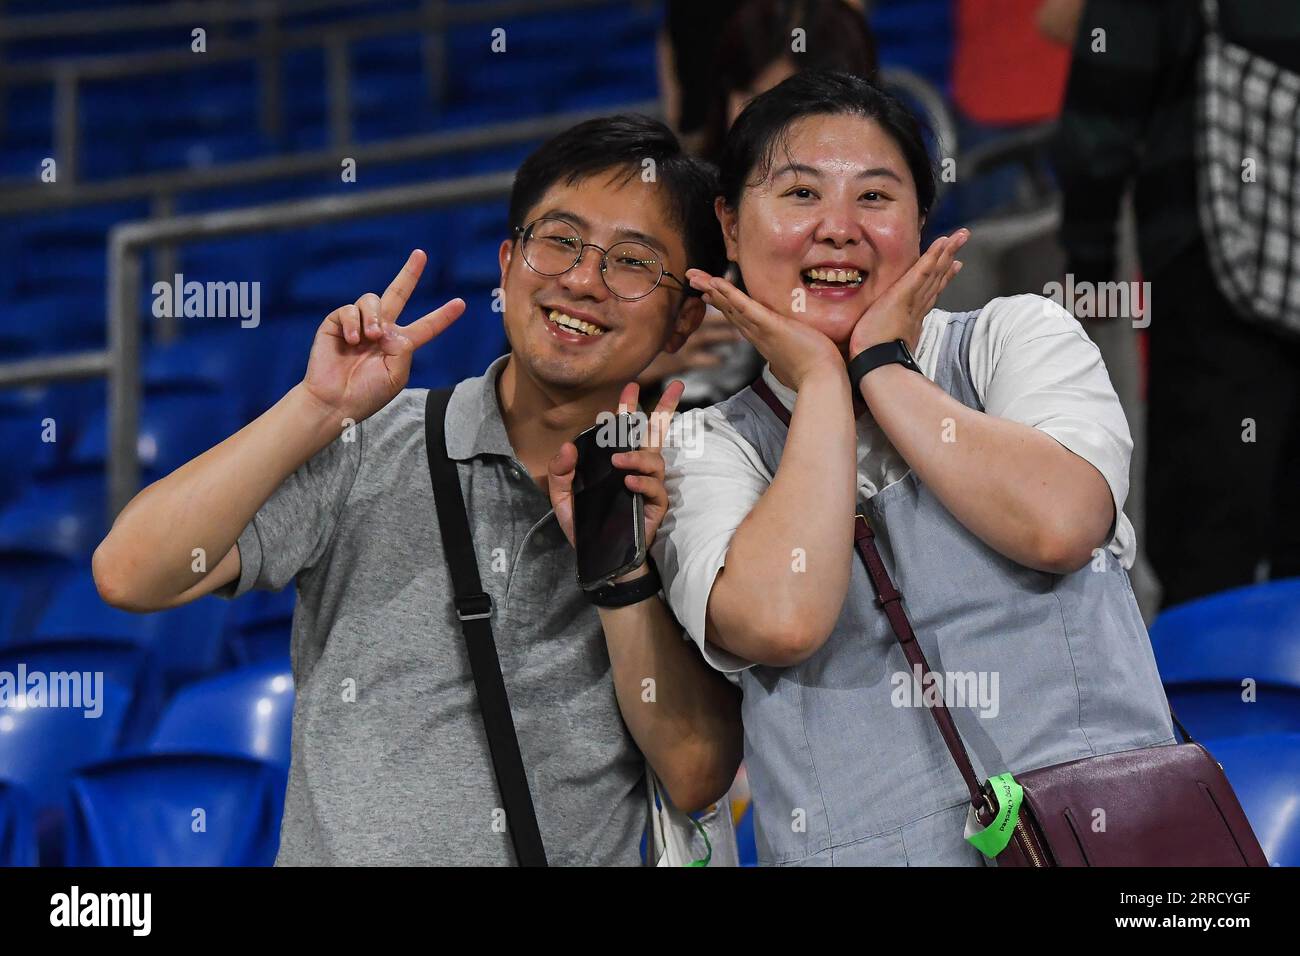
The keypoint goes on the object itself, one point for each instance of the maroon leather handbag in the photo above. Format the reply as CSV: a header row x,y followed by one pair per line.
x,y
1164,806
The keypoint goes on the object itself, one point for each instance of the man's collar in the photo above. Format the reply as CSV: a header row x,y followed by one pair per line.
x,y
474,423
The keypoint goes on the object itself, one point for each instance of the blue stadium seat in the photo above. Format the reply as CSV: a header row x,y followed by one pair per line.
x,y
245,713
59,320
25,160
233,366
27,582
83,227
477,263
466,347
17,827
183,149
598,96
175,810
1265,773
916,34
207,360
173,429
122,664
495,160
181,643
1207,648
260,626
58,515
321,287
389,240
41,746
479,222
75,611
75,264
29,113
25,422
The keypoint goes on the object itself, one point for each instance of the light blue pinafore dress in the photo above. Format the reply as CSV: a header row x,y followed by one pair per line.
x,y
847,767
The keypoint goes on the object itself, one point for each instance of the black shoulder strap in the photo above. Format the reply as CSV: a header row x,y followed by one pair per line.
x,y
474,609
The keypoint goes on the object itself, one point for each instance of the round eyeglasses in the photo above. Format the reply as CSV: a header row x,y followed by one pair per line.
x,y
630,270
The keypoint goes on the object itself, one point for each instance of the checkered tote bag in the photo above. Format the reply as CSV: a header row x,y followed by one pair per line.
x,y
1248,154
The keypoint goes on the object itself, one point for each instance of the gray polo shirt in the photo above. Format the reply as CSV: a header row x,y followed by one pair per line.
x,y
390,762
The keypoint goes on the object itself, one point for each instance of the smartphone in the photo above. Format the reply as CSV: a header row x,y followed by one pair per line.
x,y
608,519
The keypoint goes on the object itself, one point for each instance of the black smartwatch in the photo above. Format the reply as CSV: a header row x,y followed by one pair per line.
x,y
886,353
629,592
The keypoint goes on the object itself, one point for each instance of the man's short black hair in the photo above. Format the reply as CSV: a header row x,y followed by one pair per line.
x,y
622,144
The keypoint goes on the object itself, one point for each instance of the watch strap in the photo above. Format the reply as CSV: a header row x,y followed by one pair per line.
x,y
629,592
886,353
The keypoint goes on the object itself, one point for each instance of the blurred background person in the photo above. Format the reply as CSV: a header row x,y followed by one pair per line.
x,y
1006,76
1221,507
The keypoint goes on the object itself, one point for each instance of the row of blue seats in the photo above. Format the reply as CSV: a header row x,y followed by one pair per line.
x,y
51,323
119,151
182,643
65,251
59,258
148,661
509,85
527,30
209,776
141,124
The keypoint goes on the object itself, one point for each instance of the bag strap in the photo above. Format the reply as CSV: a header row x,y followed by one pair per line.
x,y
474,609
890,600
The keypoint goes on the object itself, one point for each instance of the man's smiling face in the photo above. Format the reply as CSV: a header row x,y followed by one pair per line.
x,y
599,339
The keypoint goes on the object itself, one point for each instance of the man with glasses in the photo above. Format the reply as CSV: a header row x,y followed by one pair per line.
x,y
331,486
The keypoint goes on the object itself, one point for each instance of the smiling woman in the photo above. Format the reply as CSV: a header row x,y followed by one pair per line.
x,y
809,180
986,451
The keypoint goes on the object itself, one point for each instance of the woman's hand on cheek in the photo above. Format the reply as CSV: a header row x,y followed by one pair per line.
x,y
794,349
898,312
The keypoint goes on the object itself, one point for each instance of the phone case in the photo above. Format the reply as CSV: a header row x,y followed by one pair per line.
x,y
638,536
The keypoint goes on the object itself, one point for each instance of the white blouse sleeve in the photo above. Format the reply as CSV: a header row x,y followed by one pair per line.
x,y
1032,362
714,479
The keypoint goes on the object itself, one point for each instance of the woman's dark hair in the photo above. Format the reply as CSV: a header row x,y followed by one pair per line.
x,y
760,33
623,143
762,129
